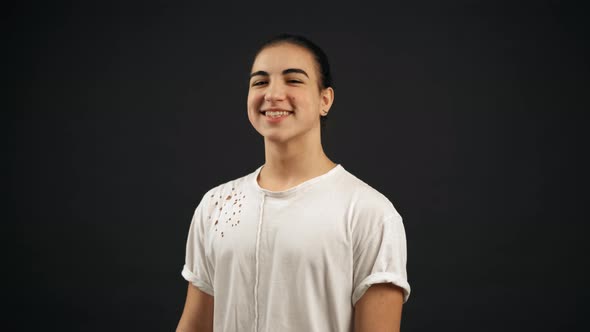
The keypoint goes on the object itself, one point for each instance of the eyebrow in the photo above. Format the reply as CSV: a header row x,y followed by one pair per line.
x,y
285,72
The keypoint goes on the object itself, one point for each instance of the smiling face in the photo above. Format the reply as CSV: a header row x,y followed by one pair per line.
x,y
284,98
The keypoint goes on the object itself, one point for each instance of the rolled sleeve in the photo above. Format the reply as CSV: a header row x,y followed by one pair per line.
x,y
380,256
196,268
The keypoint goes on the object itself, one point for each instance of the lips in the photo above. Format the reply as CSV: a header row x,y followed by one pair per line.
x,y
276,115
274,110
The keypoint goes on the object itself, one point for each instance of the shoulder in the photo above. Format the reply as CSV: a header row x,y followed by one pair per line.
x,y
365,198
368,210
225,191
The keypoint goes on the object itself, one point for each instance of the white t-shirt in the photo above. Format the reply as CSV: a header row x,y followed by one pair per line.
x,y
294,260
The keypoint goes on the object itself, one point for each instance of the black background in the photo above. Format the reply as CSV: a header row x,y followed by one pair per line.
x,y
468,117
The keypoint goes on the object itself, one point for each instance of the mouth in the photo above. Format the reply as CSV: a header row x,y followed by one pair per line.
x,y
275,113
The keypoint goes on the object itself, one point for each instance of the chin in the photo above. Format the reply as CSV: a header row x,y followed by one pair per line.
x,y
275,138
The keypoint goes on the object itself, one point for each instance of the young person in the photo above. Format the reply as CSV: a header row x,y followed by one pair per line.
x,y
298,244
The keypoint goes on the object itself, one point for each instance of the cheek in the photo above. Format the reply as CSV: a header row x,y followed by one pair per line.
x,y
250,107
253,101
304,101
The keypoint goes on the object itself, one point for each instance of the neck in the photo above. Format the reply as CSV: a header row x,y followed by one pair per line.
x,y
291,162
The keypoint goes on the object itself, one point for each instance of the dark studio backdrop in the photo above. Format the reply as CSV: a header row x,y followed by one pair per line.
x,y
468,117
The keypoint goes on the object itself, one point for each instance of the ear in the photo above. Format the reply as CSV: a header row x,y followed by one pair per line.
x,y
327,99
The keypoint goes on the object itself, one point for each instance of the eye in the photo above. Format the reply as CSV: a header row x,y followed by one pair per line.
x,y
294,81
258,83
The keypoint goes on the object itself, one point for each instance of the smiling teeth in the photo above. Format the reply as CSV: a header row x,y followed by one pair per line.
x,y
275,114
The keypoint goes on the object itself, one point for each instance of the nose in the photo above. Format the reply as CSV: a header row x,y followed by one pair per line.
x,y
275,92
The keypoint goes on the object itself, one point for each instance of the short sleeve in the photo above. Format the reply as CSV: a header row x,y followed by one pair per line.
x,y
379,256
196,268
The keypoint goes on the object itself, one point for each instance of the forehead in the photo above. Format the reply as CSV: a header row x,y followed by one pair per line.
x,y
276,58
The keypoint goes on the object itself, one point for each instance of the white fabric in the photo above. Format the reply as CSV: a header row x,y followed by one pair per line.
x,y
294,260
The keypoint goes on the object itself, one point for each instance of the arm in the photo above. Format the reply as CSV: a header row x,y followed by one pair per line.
x,y
379,309
197,315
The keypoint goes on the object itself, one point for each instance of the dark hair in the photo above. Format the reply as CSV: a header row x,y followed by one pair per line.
x,y
321,59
